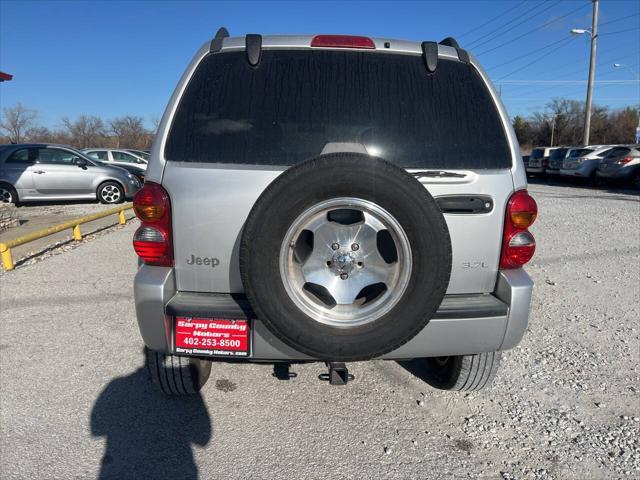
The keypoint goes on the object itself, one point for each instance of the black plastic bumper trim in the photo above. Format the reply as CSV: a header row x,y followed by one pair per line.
x,y
236,306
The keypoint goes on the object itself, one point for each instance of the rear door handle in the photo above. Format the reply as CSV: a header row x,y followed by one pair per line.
x,y
39,171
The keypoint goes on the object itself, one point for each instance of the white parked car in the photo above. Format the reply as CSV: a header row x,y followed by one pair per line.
x,y
116,156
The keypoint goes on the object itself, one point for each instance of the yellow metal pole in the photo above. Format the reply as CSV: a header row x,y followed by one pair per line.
x,y
5,248
5,253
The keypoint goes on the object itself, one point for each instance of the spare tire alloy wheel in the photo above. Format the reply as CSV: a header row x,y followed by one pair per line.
x,y
345,262
345,257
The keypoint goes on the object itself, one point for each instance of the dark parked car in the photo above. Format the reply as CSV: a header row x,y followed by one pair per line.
x,y
134,170
539,160
555,161
621,164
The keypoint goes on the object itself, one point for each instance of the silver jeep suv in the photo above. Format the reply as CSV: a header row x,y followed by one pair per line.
x,y
333,198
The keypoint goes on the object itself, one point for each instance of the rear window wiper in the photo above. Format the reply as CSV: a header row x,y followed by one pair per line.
x,y
437,173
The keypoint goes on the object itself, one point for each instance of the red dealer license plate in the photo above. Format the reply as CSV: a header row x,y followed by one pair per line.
x,y
212,336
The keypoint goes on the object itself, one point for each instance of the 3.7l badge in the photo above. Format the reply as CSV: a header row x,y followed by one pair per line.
x,y
474,265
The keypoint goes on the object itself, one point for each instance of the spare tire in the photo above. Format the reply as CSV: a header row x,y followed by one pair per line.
x,y
345,257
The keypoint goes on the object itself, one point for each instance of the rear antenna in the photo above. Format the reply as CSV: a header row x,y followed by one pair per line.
x,y
253,45
216,43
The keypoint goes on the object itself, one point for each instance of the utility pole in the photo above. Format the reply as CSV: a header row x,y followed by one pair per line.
x,y
553,128
592,71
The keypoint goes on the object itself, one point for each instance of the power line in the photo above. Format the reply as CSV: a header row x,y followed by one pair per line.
x,y
510,42
541,57
600,54
524,55
526,19
619,31
481,37
556,83
619,19
490,21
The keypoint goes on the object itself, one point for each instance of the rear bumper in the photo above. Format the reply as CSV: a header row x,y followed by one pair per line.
x,y
617,173
464,324
584,170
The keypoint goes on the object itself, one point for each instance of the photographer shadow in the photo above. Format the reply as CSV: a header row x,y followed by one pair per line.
x,y
148,435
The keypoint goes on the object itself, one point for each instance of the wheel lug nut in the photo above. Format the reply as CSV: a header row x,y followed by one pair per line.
x,y
344,276
355,247
335,246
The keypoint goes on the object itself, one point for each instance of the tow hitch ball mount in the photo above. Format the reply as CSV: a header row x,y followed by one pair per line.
x,y
338,374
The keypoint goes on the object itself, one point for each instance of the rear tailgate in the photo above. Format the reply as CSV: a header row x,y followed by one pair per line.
x,y
229,140
209,215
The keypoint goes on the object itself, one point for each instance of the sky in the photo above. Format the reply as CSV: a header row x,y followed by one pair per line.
x,y
113,58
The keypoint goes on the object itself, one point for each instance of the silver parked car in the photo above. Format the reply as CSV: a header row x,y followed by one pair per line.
x,y
582,162
313,209
37,172
116,156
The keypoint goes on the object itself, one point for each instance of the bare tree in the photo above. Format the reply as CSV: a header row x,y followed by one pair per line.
x,y
86,131
17,120
155,121
607,127
129,132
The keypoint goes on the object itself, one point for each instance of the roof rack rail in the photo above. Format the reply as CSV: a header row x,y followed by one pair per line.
x,y
253,45
216,43
430,55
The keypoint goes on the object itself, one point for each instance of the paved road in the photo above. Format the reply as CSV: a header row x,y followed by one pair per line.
x,y
75,401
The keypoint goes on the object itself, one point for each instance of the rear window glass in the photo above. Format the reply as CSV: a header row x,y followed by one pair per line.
x,y
619,151
558,153
579,152
605,153
294,103
537,153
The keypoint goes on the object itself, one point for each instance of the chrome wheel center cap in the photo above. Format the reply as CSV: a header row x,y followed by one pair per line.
x,y
343,262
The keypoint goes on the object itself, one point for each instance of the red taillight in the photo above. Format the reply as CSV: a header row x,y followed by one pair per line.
x,y
152,241
624,161
518,245
342,41
150,202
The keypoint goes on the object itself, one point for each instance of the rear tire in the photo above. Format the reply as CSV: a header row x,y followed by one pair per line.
x,y
110,193
178,376
462,372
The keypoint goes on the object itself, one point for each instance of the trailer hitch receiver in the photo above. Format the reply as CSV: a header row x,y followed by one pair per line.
x,y
338,374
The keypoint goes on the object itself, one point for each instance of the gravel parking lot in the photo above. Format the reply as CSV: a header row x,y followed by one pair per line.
x,y
75,402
